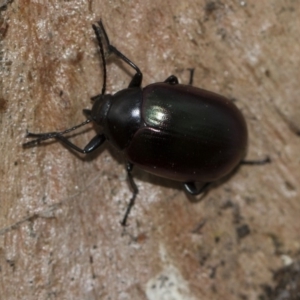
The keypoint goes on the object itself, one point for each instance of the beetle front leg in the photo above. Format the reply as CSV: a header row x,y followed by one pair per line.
x,y
137,79
135,192
94,143
101,33
191,188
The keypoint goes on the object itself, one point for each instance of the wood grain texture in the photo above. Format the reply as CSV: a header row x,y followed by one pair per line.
x,y
60,236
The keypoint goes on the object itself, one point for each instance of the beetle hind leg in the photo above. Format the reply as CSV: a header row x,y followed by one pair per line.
x,y
135,192
191,188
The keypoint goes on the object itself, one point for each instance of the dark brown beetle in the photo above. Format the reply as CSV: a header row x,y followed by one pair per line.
x,y
169,129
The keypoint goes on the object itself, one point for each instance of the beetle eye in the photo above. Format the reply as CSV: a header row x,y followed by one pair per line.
x,y
87,112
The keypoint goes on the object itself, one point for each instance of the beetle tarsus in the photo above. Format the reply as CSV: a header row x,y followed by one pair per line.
x,y
191,188
100,30
40,137
135,192
98,36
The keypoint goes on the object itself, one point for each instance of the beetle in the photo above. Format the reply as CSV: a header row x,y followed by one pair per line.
x,y
172,130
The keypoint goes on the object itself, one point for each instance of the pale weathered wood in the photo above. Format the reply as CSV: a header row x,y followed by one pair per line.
x,y
60,236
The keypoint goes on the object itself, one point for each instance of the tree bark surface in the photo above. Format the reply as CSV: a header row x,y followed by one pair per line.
x,y
60,212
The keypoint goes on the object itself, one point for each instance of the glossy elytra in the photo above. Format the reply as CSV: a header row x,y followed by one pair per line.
x,y
169,129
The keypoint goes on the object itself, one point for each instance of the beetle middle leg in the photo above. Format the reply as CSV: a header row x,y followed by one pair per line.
x,y
93,144
135,192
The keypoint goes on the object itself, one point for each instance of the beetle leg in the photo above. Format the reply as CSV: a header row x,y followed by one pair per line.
x,y
138,77
135,192
192,71
136,80
100,32
172,80
94,143
190,187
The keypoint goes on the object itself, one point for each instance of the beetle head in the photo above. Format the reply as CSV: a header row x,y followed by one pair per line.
x,y
100,108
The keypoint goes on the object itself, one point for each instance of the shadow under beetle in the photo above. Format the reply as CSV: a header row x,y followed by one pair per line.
x,y
172,130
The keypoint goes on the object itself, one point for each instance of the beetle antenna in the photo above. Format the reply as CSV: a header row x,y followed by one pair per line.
x,y
98,32
49,135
